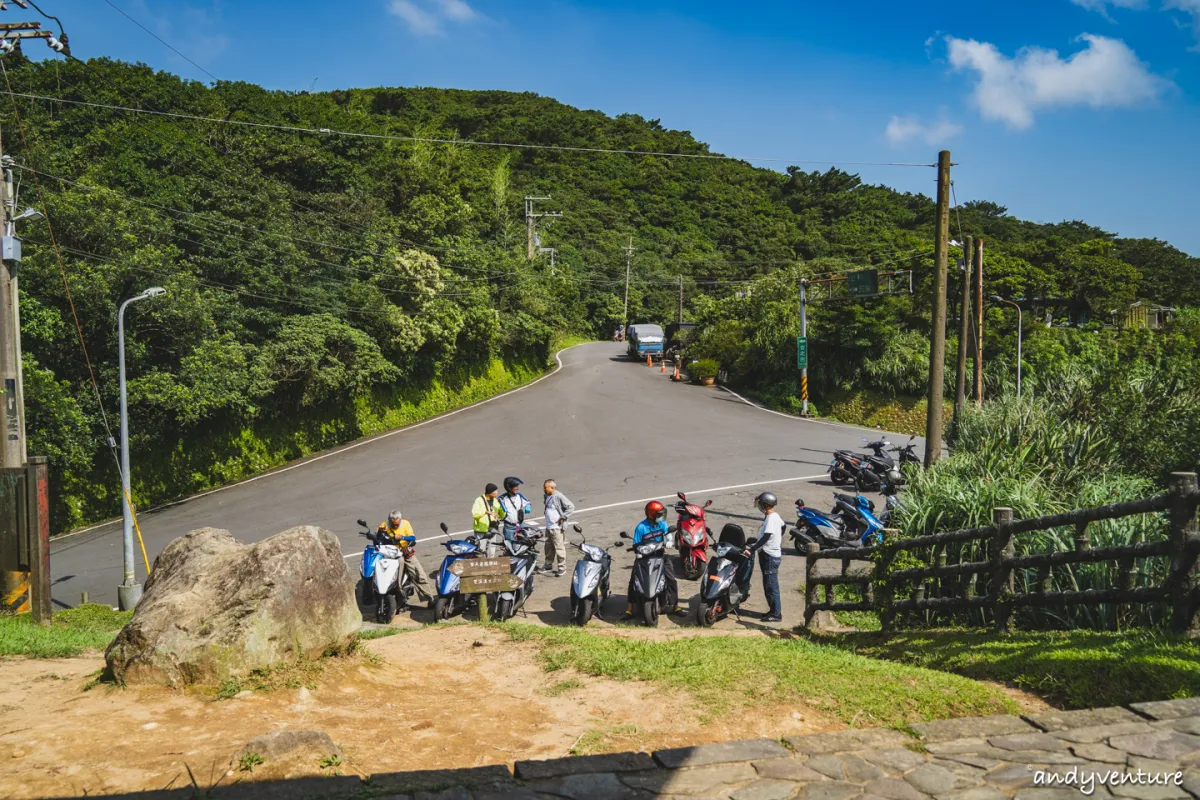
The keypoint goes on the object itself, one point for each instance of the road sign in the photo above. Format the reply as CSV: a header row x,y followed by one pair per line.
x,y
863,282
471,567
802,352
482,575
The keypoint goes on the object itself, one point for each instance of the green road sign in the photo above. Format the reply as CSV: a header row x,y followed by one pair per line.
x,y
802,352
863,282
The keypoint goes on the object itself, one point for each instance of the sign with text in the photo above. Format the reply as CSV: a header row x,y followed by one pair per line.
x,y
802,352
482,584
863,282
480,566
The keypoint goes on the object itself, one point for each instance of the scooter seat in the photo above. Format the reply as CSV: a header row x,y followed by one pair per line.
x,y
733,534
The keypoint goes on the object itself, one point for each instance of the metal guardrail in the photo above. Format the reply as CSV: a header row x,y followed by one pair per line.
x,y
953,584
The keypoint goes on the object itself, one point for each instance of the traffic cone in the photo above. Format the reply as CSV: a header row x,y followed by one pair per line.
x,y
649,363
663,365
675,377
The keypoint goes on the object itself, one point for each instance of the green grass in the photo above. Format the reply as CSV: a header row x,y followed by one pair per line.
x,y
1072,669
367,634
726,671
73,632
601,740
862,620
562,687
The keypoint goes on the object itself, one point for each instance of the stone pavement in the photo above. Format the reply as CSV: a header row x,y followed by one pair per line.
x,y
1053,756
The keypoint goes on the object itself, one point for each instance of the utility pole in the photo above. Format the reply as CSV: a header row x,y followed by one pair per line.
x,y
803,358
531,223
937,332
680,298
628,266
14,580
979,321
964,329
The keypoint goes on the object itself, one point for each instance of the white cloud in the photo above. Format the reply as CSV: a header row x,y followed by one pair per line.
x,y
426,17
1102,6
1191,7
908,128
1105,74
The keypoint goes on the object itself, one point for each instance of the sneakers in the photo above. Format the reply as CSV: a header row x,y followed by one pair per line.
x,y
772,618
558,573
680,611
628,614
546,570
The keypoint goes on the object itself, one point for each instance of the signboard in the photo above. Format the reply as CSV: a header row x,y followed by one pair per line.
x,y
481,584
480,566
802,352
863,282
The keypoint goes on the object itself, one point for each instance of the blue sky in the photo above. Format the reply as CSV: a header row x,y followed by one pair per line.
x,y
1058,109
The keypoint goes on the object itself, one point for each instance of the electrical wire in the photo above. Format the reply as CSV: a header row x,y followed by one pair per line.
x,y
459,142
162,41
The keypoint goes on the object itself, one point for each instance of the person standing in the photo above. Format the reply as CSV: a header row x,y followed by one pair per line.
x,y
486,514
654,526
513,507
400,531
558,509
770,553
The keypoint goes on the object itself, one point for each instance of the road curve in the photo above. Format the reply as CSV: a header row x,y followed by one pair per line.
x,y
610,431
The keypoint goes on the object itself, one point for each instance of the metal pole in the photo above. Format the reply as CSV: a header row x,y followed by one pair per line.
x,y
979,321
10,229
937,333
130,591
804,334
628,264
681,298
960,377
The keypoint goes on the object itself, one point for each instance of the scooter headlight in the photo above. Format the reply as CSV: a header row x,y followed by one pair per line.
x,y
461,548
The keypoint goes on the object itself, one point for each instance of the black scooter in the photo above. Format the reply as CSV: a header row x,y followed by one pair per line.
x,y
727,582
649,593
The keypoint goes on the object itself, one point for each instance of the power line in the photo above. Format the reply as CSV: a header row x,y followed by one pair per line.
x,y
162,41
462,142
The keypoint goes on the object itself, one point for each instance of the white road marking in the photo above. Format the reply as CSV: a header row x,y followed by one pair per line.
x,y
714,490
794,417
336,451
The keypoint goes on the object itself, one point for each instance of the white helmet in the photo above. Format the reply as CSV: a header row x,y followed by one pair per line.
x,y
394,517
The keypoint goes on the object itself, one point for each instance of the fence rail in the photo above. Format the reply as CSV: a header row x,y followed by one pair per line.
x,y
955,585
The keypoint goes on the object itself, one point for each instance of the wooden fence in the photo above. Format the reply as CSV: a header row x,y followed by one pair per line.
x,y
945,586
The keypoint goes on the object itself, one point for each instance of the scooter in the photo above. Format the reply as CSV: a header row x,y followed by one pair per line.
x,y
450,601
692,537
827,531
892,505
727,584
384,583
590,583
907,454
649,593
858,513
522,552
867,471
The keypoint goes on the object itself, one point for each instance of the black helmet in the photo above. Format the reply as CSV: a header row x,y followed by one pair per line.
x,y
512,483
766,500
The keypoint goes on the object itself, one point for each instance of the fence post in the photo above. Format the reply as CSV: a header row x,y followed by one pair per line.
x,y
941,582
1083,540
882,574
1185,542
810,587
1000,596
1125,566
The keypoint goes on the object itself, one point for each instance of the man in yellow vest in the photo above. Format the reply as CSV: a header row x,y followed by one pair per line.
x,y
486,514
401,532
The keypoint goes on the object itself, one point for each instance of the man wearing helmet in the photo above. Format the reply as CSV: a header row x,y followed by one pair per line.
x,y
655,525
770,547
400,531
514,506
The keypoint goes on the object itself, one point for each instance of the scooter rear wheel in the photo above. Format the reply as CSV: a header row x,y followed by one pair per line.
x,y
650,613
839,477
584,610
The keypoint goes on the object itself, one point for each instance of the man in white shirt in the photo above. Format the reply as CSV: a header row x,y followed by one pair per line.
x,y
770,547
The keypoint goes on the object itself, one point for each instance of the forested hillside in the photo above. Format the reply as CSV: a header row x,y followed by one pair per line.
x,y
323,287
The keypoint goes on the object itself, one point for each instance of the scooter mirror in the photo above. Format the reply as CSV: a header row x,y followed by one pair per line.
x,y
709,503
624,535
619,544
681,496
445,529
363,522
576,528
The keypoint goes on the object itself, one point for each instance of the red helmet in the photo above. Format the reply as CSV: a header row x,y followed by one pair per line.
x,y
655,510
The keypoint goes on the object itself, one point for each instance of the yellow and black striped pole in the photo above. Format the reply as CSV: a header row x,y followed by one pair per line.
x,y
803,343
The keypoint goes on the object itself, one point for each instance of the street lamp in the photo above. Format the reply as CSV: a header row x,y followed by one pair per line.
x,y
1000,299
130,591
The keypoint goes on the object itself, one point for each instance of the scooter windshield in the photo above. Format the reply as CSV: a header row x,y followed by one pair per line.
x,y
649,548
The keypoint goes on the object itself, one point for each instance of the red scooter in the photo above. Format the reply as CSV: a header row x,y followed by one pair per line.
x,y
693,536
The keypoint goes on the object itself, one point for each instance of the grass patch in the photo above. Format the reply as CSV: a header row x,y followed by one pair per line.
x,y
73,632
603,740
1072,669
367,634
302,673
862,620
562,687
729,670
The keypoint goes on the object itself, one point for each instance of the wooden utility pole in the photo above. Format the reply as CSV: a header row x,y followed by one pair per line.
x,y
937,332
681,298
531,222
964,329
628,266
979,321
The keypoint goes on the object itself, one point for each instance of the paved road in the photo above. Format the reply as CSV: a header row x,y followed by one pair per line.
x,y
611,432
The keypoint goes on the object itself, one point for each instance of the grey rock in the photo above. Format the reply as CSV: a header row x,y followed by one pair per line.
x,y
1099,752
787,769
1012,776
968,772
1099,733
896,760
764,789
1191,782
504,791
704,781
1047,793
215,608
933,779
1160,744
974,793
971,759
1169,709
842,741
969,727
578,765
1027,741
968,745
1151,765
428,779
294,789
590,786
855,769
721,753
830,766
452,793
278,745
1039,757
1084,718
893,789
829,790
1143,792
1183,725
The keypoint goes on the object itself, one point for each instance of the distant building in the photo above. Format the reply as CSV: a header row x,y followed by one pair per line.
x,y
1143,314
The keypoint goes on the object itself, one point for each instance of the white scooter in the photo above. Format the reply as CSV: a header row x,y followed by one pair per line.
x,y
384,582
522,553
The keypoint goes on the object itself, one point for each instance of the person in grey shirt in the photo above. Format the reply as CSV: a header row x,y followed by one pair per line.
x,y
558,508
770,547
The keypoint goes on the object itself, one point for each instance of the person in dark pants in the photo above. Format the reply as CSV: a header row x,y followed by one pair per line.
x,y
770,553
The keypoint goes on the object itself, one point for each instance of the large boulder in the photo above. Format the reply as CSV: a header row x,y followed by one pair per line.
x,y
215,608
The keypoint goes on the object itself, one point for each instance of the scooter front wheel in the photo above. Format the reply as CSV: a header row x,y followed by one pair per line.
x,y
692,567
839,477
504,609
584,610
706,615
387,609
441,608
650,613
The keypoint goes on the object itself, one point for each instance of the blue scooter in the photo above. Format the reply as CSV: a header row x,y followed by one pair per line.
x,y
851,523
450,601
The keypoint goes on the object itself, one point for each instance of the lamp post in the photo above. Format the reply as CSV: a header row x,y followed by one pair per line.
x,y
1000,299
130,591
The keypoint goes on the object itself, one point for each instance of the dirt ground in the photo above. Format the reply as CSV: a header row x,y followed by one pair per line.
x,y
453,696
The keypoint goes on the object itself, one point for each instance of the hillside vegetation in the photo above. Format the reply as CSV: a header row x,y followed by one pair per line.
x,y
320,285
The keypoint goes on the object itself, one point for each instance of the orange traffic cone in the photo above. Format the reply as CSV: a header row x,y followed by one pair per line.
x,y
663,365
649,363
675,377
